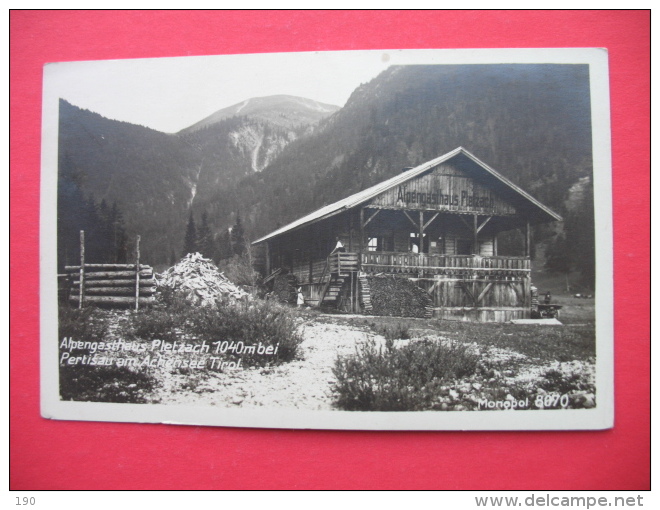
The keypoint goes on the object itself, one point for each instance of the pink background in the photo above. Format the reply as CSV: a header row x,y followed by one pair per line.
x,y
77,455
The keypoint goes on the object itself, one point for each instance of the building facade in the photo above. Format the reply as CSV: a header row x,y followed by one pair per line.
x,y
436,224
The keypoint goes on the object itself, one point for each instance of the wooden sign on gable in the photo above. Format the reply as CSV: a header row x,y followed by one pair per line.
x,y
444,188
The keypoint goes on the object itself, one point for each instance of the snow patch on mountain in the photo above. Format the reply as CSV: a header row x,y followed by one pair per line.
x,y
193,185
260,148
315,105
242,105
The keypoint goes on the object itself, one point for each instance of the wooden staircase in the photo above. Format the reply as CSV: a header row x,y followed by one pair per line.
x,y
343,266
332,290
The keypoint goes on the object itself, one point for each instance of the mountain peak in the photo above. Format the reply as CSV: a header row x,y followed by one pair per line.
x,y
281,110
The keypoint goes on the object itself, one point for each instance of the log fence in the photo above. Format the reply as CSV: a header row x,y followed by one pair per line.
x,y
110,284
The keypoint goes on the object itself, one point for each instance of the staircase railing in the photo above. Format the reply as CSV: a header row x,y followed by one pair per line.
x,y
343,263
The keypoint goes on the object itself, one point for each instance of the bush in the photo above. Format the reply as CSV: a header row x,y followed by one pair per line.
x,y
81,324
554,381
253,323
155,323
96,383
408,378
171,299
104,384
240,270
398,331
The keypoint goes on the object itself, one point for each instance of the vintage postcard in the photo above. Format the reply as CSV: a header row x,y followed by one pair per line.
x,y
381,240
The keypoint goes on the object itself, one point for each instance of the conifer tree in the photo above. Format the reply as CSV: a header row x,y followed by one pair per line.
x,y
580,237
238,236
205,238
224,246
190,241
101,236
119,238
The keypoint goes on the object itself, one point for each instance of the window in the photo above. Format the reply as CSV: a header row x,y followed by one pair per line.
x,y
382,243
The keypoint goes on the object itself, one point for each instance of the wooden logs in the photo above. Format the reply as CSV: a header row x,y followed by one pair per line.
x,y
146,273
81,271
112,267
117,300
137,274
112,284
115,283
119,291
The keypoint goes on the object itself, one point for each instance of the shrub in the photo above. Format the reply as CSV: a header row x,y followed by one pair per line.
x,y
408,378
171,299
96,383
252,323
81,324
555,381
240,269
155,323
398,331
104,384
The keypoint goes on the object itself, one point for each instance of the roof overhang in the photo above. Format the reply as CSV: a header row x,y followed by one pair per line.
x,y
540,212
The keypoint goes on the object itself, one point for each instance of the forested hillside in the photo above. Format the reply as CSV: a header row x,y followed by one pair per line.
x,y
155,178
529,122
146,173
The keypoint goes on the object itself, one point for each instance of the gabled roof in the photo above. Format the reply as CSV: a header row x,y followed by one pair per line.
x,y
369,193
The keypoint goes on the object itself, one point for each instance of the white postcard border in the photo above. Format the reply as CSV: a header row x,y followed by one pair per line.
x,y
600,417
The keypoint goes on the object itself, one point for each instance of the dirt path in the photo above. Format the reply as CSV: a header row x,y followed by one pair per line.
x,y
306,383
302,384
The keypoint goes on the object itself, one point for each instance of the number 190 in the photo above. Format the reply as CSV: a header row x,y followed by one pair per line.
x,y
25,501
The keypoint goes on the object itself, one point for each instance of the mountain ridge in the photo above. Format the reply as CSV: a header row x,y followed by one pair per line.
x,y
531,123
281,110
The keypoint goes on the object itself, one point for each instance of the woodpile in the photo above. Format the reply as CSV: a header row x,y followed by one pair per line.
x,y
111,284
199,281
398,297
285,288
365,294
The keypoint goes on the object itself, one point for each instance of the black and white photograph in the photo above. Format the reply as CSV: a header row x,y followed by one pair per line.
x,y
385,240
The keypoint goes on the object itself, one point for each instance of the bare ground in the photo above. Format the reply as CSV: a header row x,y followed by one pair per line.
x,y
304,383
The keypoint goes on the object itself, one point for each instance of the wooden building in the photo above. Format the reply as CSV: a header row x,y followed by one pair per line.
x,y
436,224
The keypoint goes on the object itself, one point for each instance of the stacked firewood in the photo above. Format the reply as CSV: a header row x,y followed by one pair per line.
x,y
199,281
398,297
285,289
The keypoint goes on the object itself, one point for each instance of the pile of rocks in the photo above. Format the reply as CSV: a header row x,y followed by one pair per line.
x,y
199,281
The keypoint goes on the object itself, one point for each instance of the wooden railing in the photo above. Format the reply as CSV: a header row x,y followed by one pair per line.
x,y
397,262
343,263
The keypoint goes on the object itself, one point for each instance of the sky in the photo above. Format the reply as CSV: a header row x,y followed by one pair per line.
x,y
169,94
